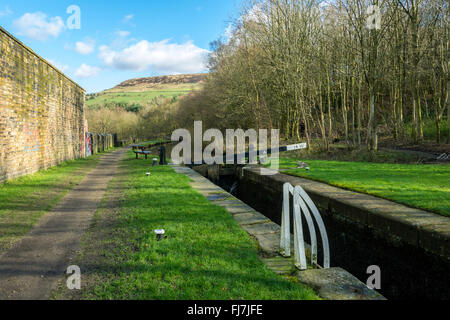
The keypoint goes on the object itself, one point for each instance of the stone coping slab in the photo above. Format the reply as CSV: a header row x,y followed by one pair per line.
x,y
264,228
337,284
280,265
250,218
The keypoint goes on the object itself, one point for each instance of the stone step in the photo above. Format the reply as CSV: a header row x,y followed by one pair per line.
x,y
280,265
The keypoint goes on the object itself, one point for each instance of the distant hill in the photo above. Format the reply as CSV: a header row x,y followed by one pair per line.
x,y
135,93
160,82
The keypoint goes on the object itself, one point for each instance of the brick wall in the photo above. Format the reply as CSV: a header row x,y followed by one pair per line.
x,y
42,119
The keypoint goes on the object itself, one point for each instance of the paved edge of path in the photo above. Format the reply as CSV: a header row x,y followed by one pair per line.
x,y
32,268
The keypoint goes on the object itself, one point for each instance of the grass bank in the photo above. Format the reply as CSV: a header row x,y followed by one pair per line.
x,y
153,142
206,255
23,201
421,186
341,152
140,98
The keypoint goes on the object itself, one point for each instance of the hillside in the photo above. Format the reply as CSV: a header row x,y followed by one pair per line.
x,y
183,81
136,93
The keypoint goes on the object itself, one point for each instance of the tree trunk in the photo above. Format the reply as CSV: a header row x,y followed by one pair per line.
x,y
438,130
372,137
330,120
448,110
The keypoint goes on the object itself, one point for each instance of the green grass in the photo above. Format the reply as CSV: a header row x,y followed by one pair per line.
x,y
429,129
149,142
23,201
421,186
141,98
206,254
341,152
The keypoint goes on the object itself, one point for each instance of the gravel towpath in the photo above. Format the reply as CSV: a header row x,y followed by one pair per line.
x,y
32,268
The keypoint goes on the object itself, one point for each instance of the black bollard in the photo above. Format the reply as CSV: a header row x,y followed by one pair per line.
x,y
162,156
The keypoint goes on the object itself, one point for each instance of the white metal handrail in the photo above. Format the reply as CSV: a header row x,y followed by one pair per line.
x,y
303,205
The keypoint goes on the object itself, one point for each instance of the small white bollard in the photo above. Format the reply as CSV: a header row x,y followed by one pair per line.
x,y
160,234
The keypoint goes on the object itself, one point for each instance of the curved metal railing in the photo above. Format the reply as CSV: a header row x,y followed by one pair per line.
x,y
303,206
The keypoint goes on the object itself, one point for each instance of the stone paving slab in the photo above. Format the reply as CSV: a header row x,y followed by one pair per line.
x,y
235,207
269,243
251,218
337,284
207,191
280,265
218,197
264,228
233,202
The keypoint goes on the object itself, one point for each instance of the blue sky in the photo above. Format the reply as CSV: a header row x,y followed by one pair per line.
x,y
120,40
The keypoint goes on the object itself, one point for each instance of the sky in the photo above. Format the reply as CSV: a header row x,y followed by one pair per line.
x,y
112,41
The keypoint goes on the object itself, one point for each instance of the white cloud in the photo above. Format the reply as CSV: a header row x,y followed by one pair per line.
x,y
58,65
6,11
255,14
38,26
86,47
122,34
128,18
86,71
229,32
157,56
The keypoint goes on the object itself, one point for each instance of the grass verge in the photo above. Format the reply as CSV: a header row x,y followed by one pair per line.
x,y
141,98
206,255
341,152
425,187
25,200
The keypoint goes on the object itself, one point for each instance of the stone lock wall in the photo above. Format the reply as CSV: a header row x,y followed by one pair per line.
x,y
42,120
411,246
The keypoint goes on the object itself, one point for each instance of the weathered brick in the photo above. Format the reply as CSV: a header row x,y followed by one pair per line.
x,y
42,120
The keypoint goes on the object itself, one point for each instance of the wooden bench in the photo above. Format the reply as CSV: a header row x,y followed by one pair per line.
x,y
138,147
146,153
